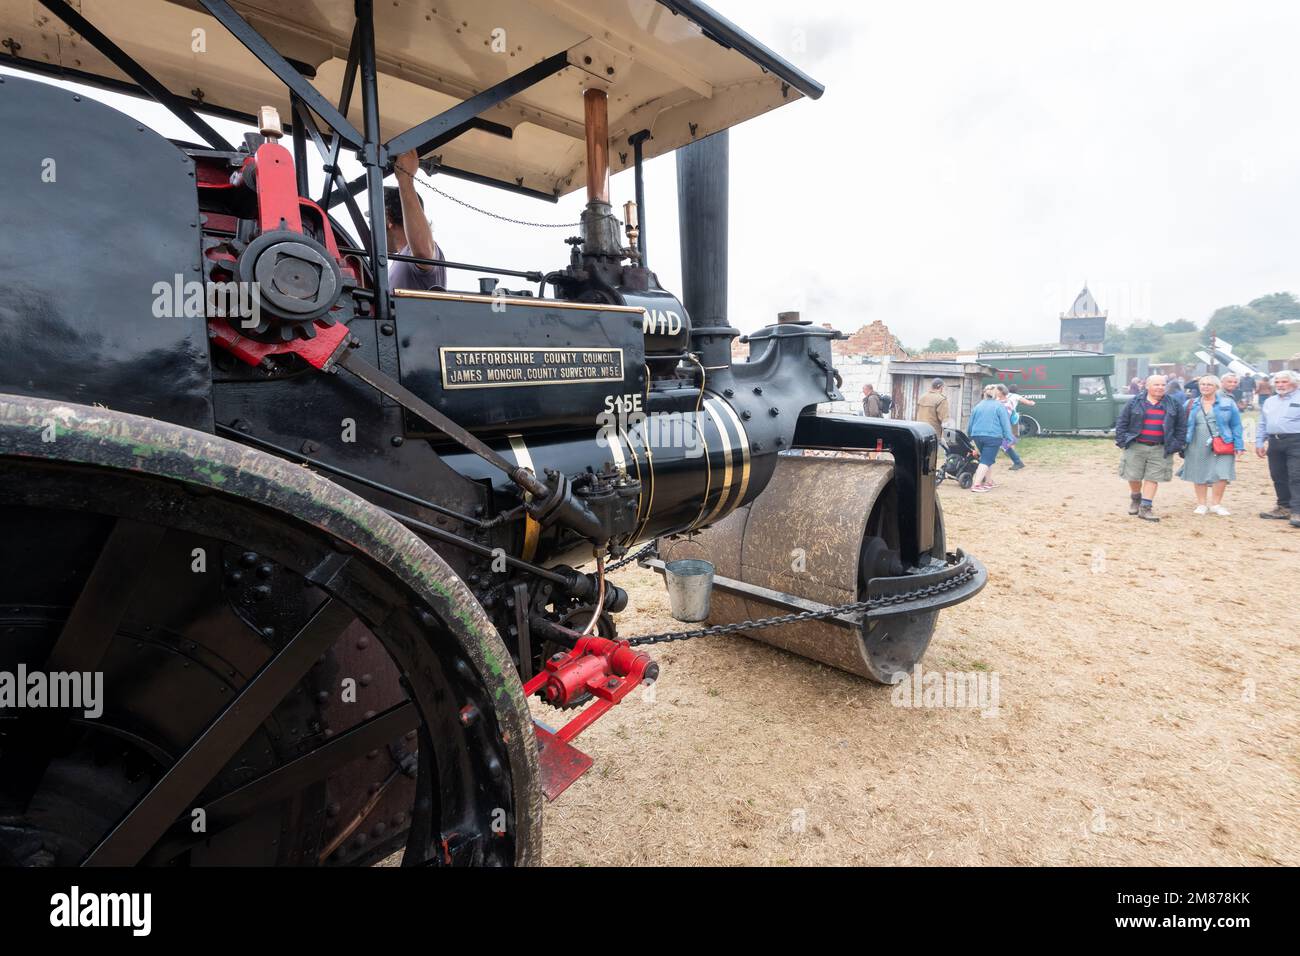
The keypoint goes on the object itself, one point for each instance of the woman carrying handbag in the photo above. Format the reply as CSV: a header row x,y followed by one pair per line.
x,y
1214,442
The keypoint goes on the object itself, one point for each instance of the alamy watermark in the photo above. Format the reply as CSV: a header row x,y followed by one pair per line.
x,y
193,299
977,690
89,909
624,414
61,690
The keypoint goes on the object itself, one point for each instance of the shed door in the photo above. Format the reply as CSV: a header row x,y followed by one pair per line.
x,y
953,391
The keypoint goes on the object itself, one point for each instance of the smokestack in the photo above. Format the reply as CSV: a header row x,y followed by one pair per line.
x,y
600,231
595,111
702,169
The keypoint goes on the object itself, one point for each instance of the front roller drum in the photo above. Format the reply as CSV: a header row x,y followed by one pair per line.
x,y
821,530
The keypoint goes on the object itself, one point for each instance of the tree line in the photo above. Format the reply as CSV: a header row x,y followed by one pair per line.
x,y
1245,326
950,345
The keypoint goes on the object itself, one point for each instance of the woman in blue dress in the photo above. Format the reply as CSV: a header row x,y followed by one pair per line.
x,y
1211,415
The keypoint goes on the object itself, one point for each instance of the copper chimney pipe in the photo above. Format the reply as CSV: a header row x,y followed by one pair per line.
x,y
596,115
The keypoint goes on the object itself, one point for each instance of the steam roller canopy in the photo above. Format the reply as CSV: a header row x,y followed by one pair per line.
x,y
820,531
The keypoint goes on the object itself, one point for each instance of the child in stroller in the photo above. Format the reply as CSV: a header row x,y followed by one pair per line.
x,y
961,458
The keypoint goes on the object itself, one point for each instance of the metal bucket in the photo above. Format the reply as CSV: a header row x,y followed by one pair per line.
x,y
690,585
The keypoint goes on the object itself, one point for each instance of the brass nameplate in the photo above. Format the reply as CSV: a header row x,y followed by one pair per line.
x,y
511,366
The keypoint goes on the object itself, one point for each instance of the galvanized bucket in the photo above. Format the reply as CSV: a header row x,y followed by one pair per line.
x,y
690,584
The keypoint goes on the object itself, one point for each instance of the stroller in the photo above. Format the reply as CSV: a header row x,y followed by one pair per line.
x,y
961,458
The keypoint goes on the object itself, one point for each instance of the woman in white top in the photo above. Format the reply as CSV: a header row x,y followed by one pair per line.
x,y
1010,399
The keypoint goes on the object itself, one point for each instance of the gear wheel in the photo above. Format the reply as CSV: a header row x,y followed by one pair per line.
x,y
297,282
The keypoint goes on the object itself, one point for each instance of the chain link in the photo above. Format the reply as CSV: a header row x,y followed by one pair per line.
x,y
423,178
650,550
884,600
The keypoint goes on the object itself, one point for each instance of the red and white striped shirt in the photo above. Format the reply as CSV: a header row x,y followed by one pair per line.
x,y
1153,424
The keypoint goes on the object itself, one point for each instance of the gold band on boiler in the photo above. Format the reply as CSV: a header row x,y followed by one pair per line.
x,y
641,496
532,530
615,446
650,500
725,491
708,465
744,449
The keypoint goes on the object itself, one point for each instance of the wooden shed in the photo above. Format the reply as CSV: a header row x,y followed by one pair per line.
x,y
961,381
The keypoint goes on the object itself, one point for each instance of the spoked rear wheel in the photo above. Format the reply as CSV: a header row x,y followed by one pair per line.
x,y
268,694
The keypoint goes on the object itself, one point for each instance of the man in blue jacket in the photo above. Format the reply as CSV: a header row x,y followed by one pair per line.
x,y
1151,429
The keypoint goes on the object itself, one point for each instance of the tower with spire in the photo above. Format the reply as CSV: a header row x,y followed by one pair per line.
x,y
1084,326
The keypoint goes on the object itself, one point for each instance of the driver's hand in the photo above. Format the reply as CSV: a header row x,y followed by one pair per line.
x,y
408,162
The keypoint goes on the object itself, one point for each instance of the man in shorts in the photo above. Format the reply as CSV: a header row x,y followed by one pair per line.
x,y
1151,429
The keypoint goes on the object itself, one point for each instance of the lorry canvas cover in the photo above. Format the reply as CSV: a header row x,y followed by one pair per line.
x,y
673,67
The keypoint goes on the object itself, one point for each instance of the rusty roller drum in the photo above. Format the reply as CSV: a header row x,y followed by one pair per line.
x,y
840,513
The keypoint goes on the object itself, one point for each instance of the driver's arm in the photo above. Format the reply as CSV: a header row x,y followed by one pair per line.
x,y
418,234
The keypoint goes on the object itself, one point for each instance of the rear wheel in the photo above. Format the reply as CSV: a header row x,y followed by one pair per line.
x,y
275,672
966,480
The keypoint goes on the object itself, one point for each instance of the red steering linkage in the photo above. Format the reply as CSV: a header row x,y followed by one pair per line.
x,y
606,669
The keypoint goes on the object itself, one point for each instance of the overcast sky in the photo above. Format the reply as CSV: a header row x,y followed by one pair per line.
x,y
972,164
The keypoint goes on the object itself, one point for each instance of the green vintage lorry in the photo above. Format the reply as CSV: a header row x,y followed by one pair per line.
x,y
1072,389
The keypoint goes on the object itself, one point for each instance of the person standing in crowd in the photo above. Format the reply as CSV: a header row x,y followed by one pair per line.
x,y
1016,399
932,407
1010,398
1214,442
990,426
1231,386
1248,391
1151,429
1277,438
1175,391
1135,386
870,402
1263,390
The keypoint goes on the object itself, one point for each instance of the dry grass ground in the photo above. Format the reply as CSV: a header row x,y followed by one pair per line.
x,y
1148,705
